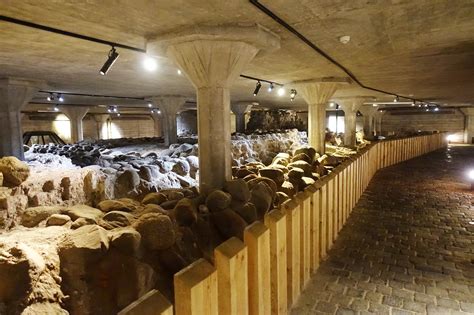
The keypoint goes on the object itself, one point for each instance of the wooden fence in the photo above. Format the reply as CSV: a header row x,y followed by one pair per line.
x,y
265,273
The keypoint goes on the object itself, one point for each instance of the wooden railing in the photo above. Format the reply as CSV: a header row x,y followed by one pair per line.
x,y
265,273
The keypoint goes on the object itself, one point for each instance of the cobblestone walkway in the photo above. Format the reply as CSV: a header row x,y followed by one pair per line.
x,y
408,246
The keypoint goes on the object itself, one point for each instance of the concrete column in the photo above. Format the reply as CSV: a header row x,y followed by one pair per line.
x,y
157,124
351,106
378,122
169,106
239,109
75,115
14,95
369,111
317,93
213,58
468,124
102,128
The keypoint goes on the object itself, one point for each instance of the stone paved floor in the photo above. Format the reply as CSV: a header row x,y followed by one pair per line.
x,y
408,246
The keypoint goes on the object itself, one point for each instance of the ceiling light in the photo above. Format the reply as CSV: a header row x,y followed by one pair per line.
x,y
374,105
50,97
413,103
427,110
257,88
281,91
56,108
179,72
293,94
150,105
345,39
60,98
112,57
436,109
118,114
396,99
150,63
331,104
270,88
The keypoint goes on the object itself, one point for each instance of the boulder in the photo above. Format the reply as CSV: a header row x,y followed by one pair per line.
x,y
14,171
274,174
126,182
82,222
120,218
288,188
301,157
266,180
113,205
152,208
156,230
246,210
182,168
218,200
1,179
295,173
229,223
31,217
169,205
149,172
305,166
58,219
308,151
154,198
83,211
133,205
243,172
238,189
127,240
282,197
88,238
262,198
185,212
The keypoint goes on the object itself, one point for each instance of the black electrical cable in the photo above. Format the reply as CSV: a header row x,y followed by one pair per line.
x,y
292,30
67,33
96,95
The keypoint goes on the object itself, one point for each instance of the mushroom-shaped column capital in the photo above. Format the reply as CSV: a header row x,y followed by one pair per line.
x,y
169,106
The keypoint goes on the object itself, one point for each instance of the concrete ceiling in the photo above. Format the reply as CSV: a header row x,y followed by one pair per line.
x,y
422,48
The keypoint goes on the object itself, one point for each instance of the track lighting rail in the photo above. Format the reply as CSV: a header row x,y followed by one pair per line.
x,y
96,95
70,34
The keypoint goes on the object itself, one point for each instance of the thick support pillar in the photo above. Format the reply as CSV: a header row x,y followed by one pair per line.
x,y
239,109
351,106
75,115
213,58
468,125
317,93
169,106
157,124
14,94
102,126
368,112
378,122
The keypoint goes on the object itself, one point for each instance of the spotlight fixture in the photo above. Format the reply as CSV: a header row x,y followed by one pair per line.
x,y
293,95
50,97
331,104
56,108
270,88
60,98
426,105
112,57
396,99
436,109
413,103
150,105
427,110
150,63
419,105
118,114
470,176
179,72
257,88
374,105
281,91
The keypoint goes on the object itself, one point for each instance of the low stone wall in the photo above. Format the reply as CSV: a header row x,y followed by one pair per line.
x,y
264,271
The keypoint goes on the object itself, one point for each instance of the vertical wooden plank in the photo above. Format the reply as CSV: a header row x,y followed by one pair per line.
x,y
194,287
323,197
340,202
231,263
275,220
293,256
257,239
305,241
342,190
151,303
330,201
315,230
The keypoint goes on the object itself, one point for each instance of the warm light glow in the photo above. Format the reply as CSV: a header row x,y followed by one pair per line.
x,y
150,105
336,125
114,131
450,138
179,72
150,64
62,127
281,91
470,175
